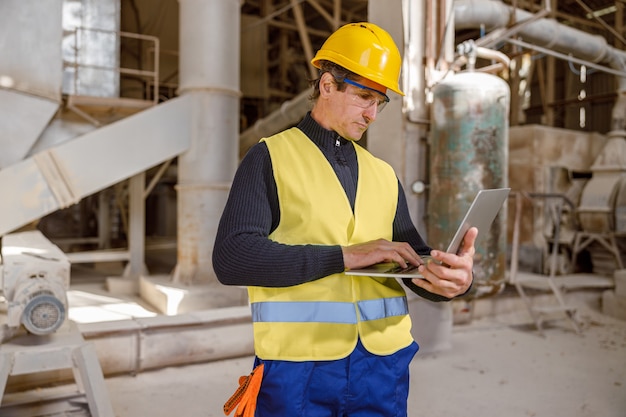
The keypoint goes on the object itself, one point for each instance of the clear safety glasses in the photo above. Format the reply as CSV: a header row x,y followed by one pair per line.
x,y
366,96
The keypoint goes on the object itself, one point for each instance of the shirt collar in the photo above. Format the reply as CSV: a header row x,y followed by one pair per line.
x,y
321,137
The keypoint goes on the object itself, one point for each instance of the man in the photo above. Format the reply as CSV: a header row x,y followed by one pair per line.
x,y
306,205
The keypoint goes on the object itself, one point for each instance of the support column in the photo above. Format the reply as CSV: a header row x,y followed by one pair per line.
x,y
136,226
136,266
209,72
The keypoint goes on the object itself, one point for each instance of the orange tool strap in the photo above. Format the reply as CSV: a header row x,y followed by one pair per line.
x,y
246,394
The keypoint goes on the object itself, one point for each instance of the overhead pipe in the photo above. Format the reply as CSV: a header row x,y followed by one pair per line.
x,y
468,52
545,32
550,34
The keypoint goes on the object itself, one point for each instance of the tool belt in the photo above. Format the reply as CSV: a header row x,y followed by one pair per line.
x,y
245,396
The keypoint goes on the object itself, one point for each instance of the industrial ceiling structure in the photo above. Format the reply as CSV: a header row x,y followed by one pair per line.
x,y
295,29
287,34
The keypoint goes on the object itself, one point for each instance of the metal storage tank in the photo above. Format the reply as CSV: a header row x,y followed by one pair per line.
x,y
469,152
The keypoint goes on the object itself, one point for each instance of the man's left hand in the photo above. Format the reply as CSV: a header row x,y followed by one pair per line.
x,y
452,275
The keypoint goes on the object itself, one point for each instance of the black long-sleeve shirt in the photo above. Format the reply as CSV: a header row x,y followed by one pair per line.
x,y
244,256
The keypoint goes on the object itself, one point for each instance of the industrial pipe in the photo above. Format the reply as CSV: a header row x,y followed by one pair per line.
x,y
549,34
141,344
469,51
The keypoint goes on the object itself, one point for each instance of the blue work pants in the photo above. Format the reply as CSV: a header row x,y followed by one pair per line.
x,y
360,385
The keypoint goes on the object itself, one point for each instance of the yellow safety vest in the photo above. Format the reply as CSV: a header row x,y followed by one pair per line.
x,y
323,319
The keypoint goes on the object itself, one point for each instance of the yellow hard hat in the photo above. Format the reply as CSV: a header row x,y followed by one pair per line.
x,y
366,50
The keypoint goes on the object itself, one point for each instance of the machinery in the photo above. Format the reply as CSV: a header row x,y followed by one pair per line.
x,y
601,212
34,277
590,208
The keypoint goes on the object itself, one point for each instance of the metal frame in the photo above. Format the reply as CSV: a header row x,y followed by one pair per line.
x,y
151,75
584,239
29,354
535,281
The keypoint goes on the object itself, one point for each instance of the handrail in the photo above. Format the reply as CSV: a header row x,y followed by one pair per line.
x,y
152,76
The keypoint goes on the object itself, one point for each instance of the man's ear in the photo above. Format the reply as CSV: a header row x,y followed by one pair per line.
x,y
326,84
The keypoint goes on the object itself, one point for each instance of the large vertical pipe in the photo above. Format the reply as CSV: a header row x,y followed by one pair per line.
x,y
209,72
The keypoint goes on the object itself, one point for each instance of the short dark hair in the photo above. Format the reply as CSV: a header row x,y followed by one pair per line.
x,y
338,72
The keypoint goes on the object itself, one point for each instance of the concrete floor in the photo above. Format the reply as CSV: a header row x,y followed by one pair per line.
x,y
496,366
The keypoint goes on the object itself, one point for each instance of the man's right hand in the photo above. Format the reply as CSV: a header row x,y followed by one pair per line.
x,y
381,250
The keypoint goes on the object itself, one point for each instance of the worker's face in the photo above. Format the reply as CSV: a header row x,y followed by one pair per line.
x,y
350,112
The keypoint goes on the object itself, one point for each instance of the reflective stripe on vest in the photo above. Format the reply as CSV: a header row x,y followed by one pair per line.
x,y
328,311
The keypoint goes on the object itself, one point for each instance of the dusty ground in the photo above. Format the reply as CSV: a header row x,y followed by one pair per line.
x,y
503,368
495,368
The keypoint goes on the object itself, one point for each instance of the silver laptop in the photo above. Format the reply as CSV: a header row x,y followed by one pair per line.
x,y
480,214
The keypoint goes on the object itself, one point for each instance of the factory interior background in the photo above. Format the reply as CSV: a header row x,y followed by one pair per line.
x,y
123,122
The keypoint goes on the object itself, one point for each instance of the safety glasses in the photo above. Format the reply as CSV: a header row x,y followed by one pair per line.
x,y
366,97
